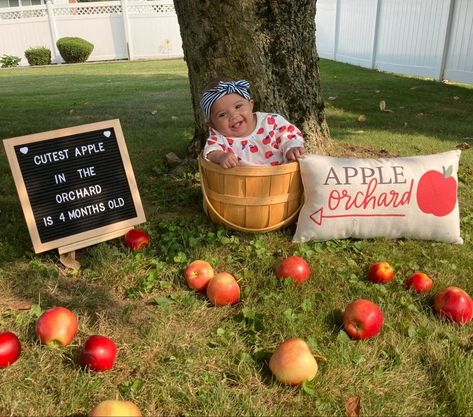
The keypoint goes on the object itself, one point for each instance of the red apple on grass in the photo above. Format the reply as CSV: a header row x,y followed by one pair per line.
x,y
381,272
223,289
10,348
293,362
98,353
56,327
115,408
136,239
198,274
454,304
419,282
362,319
294,267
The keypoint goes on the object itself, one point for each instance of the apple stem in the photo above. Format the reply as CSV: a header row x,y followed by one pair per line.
x,y
447,172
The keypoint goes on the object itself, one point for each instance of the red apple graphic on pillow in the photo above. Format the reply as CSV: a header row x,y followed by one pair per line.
x,y
437,192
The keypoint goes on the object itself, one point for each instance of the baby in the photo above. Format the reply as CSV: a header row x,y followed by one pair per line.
x,y
237,136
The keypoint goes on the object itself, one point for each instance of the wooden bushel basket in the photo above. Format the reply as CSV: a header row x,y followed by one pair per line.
x,y
251,199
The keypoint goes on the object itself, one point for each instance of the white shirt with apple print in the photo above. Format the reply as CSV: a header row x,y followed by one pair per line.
x,y
266,145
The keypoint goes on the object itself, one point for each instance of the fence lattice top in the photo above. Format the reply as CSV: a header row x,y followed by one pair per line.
x,y
87,9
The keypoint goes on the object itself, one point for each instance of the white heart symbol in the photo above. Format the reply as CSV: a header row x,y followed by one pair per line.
x,y
107,133
24,150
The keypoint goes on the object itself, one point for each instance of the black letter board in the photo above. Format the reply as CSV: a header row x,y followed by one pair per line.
x,y
76,185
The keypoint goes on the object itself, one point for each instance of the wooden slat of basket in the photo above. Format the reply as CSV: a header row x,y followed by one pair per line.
x,y
279,186
257,216
231,206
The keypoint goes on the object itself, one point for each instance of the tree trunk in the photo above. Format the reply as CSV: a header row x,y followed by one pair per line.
x,y
270,43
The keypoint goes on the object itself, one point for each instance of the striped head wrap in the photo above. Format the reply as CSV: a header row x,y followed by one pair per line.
x,y
210,96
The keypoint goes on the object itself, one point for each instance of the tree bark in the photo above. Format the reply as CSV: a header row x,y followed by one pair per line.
x,y
270,43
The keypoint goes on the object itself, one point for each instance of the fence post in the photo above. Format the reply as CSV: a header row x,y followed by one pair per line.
x,y
446,42
53,31
374,45
337,28
126,27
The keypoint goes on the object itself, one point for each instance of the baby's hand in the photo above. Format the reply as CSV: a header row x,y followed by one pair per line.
x,y
294,153
224,159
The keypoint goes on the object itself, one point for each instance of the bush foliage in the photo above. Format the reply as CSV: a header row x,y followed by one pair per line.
x,y
74,50
38,56
9,61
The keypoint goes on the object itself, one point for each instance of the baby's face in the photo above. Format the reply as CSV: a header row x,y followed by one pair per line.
x,y
232,116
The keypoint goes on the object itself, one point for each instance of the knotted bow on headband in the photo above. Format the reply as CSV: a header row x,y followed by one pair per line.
x,y
223,88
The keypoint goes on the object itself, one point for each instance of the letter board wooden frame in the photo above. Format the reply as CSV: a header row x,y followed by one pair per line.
x,y
76,185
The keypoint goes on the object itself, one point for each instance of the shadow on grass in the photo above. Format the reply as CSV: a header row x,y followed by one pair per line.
x,y
415,106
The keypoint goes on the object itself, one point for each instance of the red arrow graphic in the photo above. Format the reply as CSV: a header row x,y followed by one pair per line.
x,y
318,215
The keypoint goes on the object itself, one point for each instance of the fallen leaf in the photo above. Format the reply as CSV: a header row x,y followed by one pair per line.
x,y
17,305
362,118
154,112
352,406
419,115
414,88
382,105
463,146
332,98
456,98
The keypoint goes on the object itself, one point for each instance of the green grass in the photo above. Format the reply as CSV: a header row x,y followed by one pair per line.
x,y
177,354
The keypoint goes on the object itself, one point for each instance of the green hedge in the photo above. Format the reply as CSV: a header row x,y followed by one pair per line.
x,y
38,56
74,50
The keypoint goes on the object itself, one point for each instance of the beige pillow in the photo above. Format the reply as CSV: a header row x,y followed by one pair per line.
x,y
413,197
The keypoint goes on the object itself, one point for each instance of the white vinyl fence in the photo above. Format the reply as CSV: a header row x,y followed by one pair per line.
x,y
427,38
117,29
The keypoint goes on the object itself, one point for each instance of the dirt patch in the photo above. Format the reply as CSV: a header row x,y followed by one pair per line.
x,y
356,151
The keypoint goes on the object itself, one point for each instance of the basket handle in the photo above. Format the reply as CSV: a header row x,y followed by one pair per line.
x,y
234,226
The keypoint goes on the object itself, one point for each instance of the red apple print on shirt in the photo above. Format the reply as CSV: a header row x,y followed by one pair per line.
x,y
271,133
291,136
210,142
437,192
282,128
253,148
271,120
291,128
243,144
260,131
268,154
275,163
266,140
230,141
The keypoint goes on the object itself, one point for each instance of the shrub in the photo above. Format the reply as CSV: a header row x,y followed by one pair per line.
x,y
38,56
9,61
74,50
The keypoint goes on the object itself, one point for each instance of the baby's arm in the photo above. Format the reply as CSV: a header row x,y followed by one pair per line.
x,y
292,143
224,159
293,154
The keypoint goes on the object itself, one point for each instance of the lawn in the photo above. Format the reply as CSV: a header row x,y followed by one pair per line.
x,y
177,354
